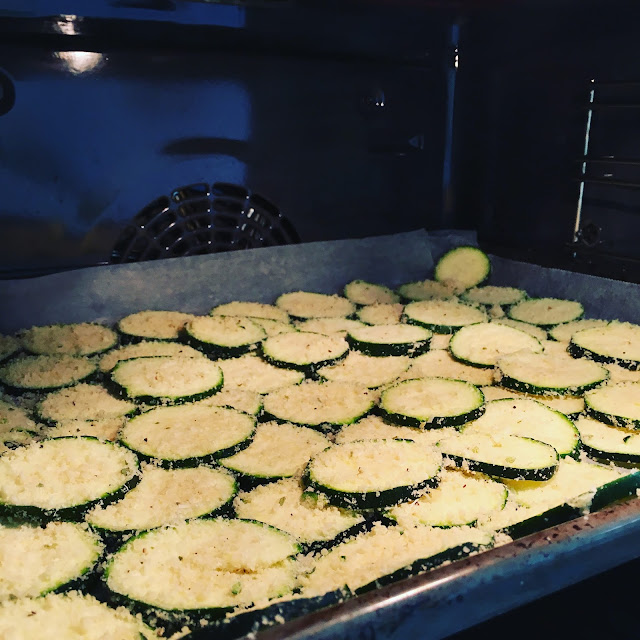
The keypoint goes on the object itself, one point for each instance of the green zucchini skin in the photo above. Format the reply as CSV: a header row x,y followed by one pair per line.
x,y
216,351
412,349
614,421
624,487
496,470
370,499
308,369
14,515
551,518
532,389
435,423
119,391
581,352
607,457
436,328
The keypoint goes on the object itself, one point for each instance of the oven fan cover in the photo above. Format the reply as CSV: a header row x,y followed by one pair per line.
x,y
199,219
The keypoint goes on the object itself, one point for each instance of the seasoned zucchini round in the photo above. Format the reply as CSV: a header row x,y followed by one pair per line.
x,y
492,295
537,332
571,406
329,326
546,312
617,343
617,405
43,373
380,313
564,331
188,435
373,474
250,310
62,478
605,442
152,325
147,349
81,339
440,364
223,336
432,402
425,290
463,267
443,316
367,371
362,292
390,340
305,304
252,373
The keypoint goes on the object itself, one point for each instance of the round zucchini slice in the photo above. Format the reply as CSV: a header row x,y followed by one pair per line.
x,y
147,349
188,435
14,418
390,340
204,567
440,364
531,329
373,474
223,336
329,326
530,419
72,616
320,404
563,332
380,313
432,402
460,498
9,346
617,405
276,451
425,290
36,560
481,345
166,379
617,343
252,373
251,310
240,399
307,516
492,296
551,375
362,293
43,373
571,406
443,316
273,327
367,371
546,312
505,456
81,339
62,478
153,325
604,442
303,351
82,402
104,429
305,304
164,497
463,267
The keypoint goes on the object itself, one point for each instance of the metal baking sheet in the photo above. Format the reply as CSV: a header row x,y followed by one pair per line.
x,y
442,601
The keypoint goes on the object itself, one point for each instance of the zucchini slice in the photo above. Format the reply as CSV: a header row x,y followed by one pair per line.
x,y
9,346
81,339
62,478
443,316
530,419
563,332
251,310
329,326
303,351
531,329
425,290
373,474
385,551
147,349
82,402
251,373
604,442
463,267
306,304
240,399
365,370
440,364
72,616
620,374
43,373
551,375
152,325
36,560
546,312
617,405
481,345
223,336
380,313
617,343
362,293
165,497
390,340
493,296
166,379
571,406
273,327
505,456
439,342
188,435
461,498
204,567
14,418
319,404
277,451
104,429
432,402
308,517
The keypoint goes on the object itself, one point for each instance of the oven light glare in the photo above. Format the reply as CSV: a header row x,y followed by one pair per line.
x,y
78,62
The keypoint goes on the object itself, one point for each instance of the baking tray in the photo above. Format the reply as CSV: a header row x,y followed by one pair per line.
x,y
444,600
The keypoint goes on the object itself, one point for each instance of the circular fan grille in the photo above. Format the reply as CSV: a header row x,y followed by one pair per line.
x,y
198,219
